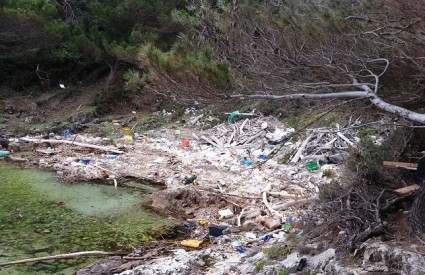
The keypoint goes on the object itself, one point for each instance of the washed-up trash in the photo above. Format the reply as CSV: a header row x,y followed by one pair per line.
x,y
128,137
245,161
111,156
215,231
279,135
126,129
202,221
299,234
288,219
250,235
231,116
85,161
262,157
185,143
191,243
311,165
265,238
187,224
190,179
226,213
4,152
67,133
302,264
237,244
241,249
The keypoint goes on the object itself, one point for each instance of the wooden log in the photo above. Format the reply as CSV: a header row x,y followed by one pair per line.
x,y
243,125
407,189
232,136
63,256
240,217
266,203
302,148
285,195
209,141
217,141
102,148
48,152
407,165
346,139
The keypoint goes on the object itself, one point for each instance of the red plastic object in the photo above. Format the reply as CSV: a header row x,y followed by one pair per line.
x,y
185,143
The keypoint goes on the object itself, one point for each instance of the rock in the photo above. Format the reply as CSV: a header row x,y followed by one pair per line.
x,y
322,259
82,117
248,265
291,261
181,263
378,256
101,267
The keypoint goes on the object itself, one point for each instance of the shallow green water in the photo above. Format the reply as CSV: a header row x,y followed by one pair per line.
x,y
41,216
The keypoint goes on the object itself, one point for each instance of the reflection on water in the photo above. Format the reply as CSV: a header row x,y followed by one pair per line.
x,y
41,216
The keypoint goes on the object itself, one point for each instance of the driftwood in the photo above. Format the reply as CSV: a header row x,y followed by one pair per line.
x,y
209,141
349,142
240,217
407,189
63,256
302,148
48,152
285,195
266,203
103,148
406,165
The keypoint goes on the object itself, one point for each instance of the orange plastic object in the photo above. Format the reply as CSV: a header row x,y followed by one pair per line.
x,y
185,143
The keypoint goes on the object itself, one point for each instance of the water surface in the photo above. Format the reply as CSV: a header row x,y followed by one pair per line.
x,y
41,215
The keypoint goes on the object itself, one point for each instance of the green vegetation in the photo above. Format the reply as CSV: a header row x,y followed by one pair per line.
x,y
277,251
259,265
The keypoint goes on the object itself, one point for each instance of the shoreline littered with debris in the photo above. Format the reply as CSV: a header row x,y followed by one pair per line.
x,y
243,194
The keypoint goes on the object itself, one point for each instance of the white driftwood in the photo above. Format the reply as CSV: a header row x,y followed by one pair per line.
x,y
103,148
61,256
268,206
346,139
302,148
217,141
195,136
209,141
240,216
243,125
229,141
253,137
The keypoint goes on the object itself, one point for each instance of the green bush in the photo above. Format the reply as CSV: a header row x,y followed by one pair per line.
x,y
277,251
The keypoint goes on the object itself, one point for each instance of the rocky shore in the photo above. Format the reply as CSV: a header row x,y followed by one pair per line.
x,y
247,211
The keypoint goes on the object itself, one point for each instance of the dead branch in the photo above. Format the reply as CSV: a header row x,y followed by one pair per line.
x,y
64,256
102,148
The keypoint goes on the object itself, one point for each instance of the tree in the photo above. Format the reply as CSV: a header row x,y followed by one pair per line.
x,y
281,50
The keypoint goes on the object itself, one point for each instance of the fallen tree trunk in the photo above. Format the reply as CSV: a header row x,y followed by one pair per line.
x,y
103,148
64,256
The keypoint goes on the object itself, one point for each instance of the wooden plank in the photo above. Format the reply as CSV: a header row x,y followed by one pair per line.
x,y
406,165
407,189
